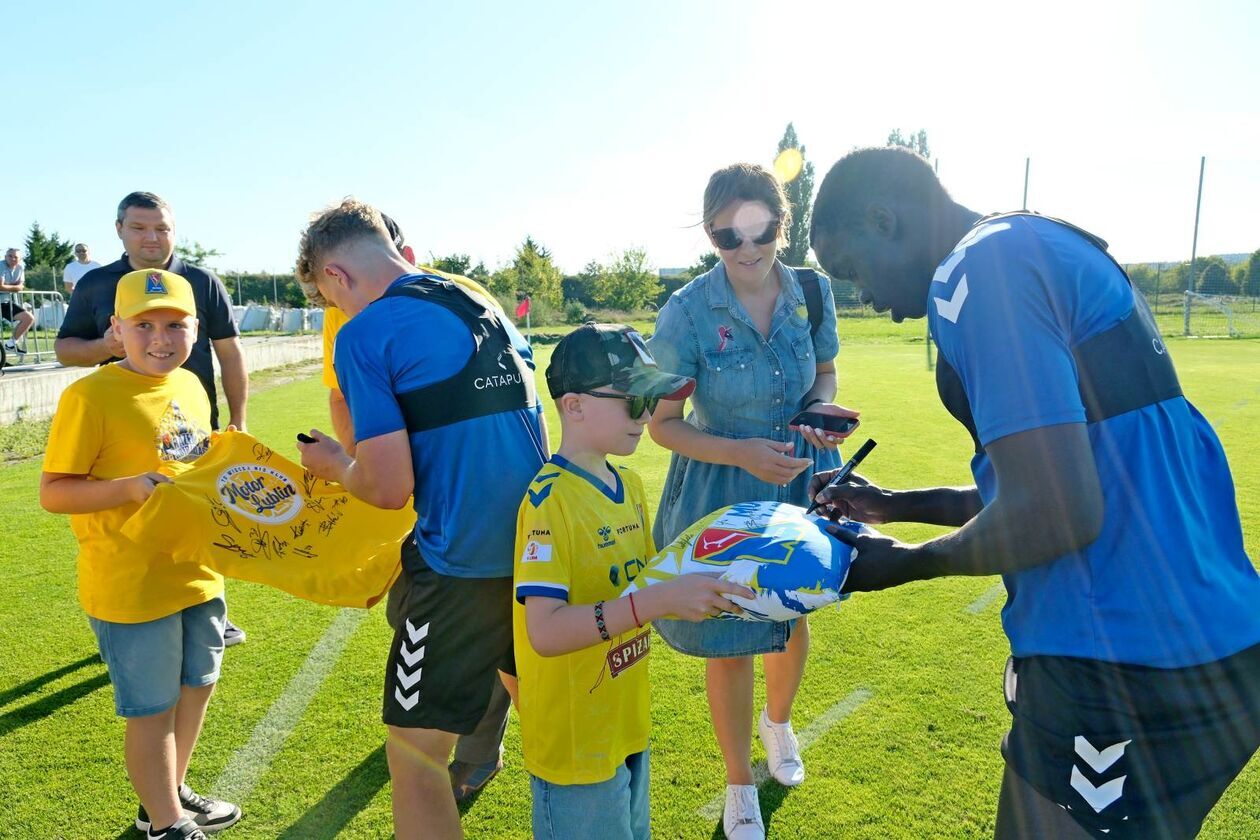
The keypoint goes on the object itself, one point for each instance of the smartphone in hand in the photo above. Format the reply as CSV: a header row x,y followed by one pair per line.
x,y
826,422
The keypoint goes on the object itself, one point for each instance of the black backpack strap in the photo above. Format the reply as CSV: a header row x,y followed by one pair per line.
x,y
811,285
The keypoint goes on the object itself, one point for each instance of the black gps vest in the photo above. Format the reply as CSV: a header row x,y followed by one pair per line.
x,y
1121,369
496,377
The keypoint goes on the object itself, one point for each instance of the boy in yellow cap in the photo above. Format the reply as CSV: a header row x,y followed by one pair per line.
x,y
117,434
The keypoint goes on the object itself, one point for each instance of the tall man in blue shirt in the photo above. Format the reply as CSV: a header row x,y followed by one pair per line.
x,y
1102,496
436,378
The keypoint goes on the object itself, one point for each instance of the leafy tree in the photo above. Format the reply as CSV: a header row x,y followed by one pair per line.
x,y
196,253
705,263
1214,277
532,272
41,249
916,142
1249,284
800,193
628,282
460,264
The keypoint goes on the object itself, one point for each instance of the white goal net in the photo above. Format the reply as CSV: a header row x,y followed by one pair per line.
x,y
1221,315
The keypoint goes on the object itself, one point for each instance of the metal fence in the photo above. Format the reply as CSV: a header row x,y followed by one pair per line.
x,y
36,347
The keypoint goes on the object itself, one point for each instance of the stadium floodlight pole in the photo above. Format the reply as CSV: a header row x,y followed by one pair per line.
x,y
1027,162
1194,243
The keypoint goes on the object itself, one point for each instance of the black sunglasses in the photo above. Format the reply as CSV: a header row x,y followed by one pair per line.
x,y
636,404
728,239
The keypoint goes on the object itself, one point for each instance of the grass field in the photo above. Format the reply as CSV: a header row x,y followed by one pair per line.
x,y
902,698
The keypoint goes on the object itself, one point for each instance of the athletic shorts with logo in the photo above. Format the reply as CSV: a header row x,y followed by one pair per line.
x,y
1133,751
453,637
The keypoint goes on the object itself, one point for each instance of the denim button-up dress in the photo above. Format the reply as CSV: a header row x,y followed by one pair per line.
x,y
747,385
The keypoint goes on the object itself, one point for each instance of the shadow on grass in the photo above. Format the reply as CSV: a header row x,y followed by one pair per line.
x,y
31,686
40,709
771,795
346,799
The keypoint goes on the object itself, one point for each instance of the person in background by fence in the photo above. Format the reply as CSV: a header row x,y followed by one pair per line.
x,y
76,268
13,279
146,225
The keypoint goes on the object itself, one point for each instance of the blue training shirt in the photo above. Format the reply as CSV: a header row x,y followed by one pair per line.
x,y
1167,583
470,476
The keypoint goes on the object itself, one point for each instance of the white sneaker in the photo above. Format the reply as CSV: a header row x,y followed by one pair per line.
x,y
742,818
783,755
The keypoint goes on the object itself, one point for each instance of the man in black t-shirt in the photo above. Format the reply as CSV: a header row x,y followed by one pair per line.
x,y
146,226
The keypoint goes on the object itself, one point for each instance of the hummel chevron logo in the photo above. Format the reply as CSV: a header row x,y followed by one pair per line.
x,y
407,701
947,268
417,635
408,681
536,499
409,657
1097,797
948,309
1100,760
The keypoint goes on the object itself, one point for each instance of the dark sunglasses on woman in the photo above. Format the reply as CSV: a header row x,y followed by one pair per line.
x,y
635,405
728,239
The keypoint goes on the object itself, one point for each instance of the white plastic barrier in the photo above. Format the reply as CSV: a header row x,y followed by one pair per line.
x,y
259,318
293,320
315,317
238,312
50,315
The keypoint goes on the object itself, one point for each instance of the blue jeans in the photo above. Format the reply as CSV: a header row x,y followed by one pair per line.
x,y
149,661
613,810
719,638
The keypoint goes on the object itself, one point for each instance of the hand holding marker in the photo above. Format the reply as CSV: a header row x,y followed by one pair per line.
x,y
844,472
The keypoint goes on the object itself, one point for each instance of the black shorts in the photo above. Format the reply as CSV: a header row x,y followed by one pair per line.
x,y
454,636
10,310
1132,751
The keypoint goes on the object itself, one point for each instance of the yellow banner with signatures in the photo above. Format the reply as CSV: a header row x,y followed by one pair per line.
x,y
250,513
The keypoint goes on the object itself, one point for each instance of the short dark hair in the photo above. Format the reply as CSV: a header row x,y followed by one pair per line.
x,y
746,182
878,172
147,200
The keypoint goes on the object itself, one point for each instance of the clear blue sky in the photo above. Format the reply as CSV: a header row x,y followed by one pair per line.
x,y
594,126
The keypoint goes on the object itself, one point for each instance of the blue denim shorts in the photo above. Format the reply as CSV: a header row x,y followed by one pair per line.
x,y
149,661
616,809
727,637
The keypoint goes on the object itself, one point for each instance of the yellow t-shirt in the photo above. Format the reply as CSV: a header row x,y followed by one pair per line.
x,y
115,423
248,512
584,712
335,319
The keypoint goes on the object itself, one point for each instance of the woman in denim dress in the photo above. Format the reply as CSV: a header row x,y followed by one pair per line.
x,y
742,332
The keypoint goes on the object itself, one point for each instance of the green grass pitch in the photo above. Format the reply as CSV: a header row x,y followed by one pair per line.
x,y
915,756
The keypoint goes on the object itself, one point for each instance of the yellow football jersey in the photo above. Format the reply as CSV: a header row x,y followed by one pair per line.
x,y
115,423
584,712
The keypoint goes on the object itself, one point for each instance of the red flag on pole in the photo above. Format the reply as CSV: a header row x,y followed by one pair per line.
x,y
522,308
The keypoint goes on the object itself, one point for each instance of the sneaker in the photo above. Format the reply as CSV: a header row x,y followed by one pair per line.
x,y
232,635
208,814
741,820
467,779
783,755
184,829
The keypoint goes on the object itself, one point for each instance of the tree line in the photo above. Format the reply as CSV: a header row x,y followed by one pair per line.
x,y
627,280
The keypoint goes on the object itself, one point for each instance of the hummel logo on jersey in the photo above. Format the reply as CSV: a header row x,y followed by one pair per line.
x,y
605,537
949,309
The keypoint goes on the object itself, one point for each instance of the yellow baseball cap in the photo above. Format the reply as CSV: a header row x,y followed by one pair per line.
x,y
153,288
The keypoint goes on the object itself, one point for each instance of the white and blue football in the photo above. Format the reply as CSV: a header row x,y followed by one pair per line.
x,y
775,549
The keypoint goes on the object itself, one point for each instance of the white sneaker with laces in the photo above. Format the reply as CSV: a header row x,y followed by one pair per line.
x,y
742,818
783,754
